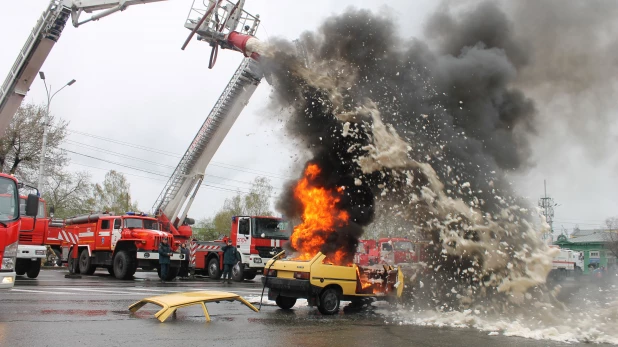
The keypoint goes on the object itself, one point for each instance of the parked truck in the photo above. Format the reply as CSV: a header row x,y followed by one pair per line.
x,y
10,226
32,239
119,243
567,262
257,238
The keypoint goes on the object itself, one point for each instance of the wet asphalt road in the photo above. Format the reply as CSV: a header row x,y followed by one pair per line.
x,y
92,311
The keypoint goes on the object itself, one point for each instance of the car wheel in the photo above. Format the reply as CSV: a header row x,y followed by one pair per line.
x,y
285,303
329,301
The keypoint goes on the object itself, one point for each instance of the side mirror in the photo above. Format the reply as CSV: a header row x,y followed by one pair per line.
x,y
52,210
32,205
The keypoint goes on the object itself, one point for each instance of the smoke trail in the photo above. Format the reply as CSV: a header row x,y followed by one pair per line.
x,y
430,129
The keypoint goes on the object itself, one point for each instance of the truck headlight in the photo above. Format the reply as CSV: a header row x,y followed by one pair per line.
x,y
41,252
257,260
8,258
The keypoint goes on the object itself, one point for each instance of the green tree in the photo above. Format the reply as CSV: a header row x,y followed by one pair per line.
x,y
204,230
254,203
68,193
112,195
257,202
20,147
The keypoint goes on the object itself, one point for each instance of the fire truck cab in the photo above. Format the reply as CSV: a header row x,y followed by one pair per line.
x,y
396,250
10,225
121,244
32,234
257,239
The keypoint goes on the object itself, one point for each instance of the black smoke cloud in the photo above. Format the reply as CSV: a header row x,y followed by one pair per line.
x,y
457,97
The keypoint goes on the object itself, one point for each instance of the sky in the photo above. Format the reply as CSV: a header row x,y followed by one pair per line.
x,y
139,100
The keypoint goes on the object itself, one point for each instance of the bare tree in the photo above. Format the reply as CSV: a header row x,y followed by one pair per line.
x,y
20,147
68,193
611,237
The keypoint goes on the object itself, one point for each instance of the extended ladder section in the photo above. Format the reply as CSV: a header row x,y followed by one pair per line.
x,y
30,59
184,183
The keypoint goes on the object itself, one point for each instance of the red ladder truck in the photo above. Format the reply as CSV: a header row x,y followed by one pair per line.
x,y
10,226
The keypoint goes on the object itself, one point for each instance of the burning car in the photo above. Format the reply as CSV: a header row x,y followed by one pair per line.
x,y
325,284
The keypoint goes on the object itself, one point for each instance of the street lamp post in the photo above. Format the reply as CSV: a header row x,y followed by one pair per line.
x,y
46,124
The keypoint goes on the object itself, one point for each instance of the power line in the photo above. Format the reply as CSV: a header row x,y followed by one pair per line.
x,y
154,173
176,155
207,185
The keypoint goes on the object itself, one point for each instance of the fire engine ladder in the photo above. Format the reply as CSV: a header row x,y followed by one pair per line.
x,y
182,186
30,59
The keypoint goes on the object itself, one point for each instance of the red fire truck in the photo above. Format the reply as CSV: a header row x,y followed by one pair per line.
x,y
10,225
121,244
366,253
257,238
32,239
396,250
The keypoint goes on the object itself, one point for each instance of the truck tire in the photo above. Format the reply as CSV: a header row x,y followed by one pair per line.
x,y
70,265
85,263
238,273
329,301
285,302
34,269
124,266
58,257
214,271
250,275
21,266
110,269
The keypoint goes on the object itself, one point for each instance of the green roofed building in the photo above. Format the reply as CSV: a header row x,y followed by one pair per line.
x,y
596,245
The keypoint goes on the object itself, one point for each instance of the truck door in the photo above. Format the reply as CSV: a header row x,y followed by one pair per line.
x,y
116,232
243,241
104,234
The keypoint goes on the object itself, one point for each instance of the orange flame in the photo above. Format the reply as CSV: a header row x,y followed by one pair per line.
x,y
320,217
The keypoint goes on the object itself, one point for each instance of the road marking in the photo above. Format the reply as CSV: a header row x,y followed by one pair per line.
x,y
34,291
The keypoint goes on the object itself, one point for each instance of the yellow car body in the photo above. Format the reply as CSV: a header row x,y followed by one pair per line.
x,y
324,284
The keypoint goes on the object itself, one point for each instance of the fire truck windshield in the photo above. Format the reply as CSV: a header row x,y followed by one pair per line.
x,y
402,245
270,228
8,200
141,223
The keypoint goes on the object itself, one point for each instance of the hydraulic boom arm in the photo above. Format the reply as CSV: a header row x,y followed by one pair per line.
x,y
41,40
214,24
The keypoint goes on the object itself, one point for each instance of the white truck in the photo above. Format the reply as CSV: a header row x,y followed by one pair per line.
x,y
567,262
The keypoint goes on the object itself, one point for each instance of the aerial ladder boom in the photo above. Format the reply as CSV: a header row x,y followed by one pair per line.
x,y
40,42
180,190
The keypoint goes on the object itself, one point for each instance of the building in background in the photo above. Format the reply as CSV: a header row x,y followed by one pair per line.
x,y
596,246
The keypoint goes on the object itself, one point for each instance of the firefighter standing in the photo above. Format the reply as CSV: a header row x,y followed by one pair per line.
x,y
164,258
184,263
230,258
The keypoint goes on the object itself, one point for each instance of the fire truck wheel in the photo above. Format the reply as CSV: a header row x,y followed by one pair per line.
x,y
250,275
285,303
71,260
329,301
34,269
85,263
21,267
238,273
214,272
124,266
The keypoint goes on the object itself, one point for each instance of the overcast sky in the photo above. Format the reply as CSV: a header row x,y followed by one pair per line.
x,y
136,87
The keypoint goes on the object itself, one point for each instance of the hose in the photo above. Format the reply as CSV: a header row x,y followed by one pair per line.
x,y
266,280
